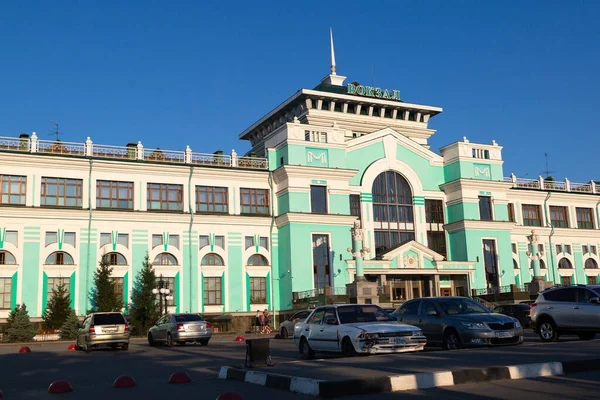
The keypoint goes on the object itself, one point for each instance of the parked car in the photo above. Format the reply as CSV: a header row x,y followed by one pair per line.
x,y
389,310
103,329
355,328
520,311
456,322
286,328
180,329
567,310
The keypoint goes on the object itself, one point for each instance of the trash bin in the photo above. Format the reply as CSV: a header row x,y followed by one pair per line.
x,y
258,353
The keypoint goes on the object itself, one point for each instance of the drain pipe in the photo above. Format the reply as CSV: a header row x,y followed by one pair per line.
x,y
271,240
190,234
89,235
551,249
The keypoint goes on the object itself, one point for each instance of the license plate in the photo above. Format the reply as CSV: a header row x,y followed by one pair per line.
x,y
397,340
504,334
109,330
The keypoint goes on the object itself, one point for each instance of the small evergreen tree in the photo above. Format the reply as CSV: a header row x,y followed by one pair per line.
x,y
143,310
19,328
58,308
104,297
68,330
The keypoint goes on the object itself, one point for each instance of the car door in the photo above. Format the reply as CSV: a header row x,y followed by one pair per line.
x,y
588,314
430,321
159,333
563,307
328,334
409,312
312,329
82,331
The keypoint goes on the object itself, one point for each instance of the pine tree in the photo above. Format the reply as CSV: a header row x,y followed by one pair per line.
x,y
143,310
68,330
58,308
19,328
104,297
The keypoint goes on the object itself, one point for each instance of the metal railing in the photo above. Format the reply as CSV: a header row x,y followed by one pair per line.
x,y
59,147
591,187
328,291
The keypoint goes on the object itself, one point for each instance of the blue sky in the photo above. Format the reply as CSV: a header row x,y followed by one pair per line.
x,y
177,73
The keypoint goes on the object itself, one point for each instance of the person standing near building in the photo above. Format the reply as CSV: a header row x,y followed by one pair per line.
x,y
257,322
266,321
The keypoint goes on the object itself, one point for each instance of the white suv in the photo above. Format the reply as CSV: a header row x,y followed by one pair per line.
x,y
567,310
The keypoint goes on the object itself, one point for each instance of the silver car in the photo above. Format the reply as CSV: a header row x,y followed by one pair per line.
x,y
180,329
286,328
571,310
103,329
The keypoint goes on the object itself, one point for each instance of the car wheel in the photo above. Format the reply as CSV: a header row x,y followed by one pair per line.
x,y
306,353
169,342
125,347
348,348
150,340
113,346
548,331
87,348
181,343
284,333
586,335
451,341
203,342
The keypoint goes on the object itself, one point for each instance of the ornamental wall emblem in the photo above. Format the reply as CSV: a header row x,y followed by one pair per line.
x,y
411,261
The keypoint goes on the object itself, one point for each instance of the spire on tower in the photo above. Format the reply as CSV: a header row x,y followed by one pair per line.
x,y
332,52
333,78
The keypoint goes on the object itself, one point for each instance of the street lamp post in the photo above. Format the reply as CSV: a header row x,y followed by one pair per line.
x,y
164,295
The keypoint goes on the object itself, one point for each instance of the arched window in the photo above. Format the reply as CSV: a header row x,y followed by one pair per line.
x,y
59,258
565,263
257,260
515,264
116,259
212,259
7,258
165,259
590,263
392,211
542,264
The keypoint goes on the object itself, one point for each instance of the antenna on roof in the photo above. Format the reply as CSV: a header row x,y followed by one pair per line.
x,y
55,131
547,171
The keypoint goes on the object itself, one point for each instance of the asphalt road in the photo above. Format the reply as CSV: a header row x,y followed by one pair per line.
x,y
27,376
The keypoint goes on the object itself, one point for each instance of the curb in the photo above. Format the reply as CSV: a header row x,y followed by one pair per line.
x,y
397,383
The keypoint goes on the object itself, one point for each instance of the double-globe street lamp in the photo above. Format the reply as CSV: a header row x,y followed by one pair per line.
x,y
164,294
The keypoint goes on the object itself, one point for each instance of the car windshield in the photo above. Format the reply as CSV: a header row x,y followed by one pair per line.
x,y
108,319
462,306
366,313
523,306
188,318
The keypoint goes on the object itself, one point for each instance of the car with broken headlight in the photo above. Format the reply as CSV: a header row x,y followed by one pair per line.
x,y
354,329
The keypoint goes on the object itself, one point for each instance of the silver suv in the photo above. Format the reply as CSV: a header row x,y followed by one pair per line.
x,y
567,310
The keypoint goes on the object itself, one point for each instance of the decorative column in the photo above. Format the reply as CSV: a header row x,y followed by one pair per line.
x,y
360,291
358,251
538,283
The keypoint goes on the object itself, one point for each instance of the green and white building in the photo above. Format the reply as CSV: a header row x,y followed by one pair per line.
x,y
236,233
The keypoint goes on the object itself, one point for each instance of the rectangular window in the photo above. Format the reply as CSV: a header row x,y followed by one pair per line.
x,y
174,241
119,287
490,261
5,293
584,249
318,199
258,290
254,201
485,208
593,250
565,280
212,199
203,241
434,211
511,212
165,197
514,248
61,192
559,216
567,248
321,263
212,291
54,284
123,239
114,194
532,215
51,238
249,240
105,238
13,189
585,218
592,280
264,242
220,241
436,241
69,238
157,240
355,205
11,237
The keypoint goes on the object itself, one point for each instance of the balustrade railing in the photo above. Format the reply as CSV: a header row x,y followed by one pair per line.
x,y
591,187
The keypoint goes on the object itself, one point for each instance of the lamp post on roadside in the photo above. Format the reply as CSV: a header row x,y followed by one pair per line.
x,y
164,293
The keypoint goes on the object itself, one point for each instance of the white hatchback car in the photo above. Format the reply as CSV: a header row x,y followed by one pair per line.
x,y
355,329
